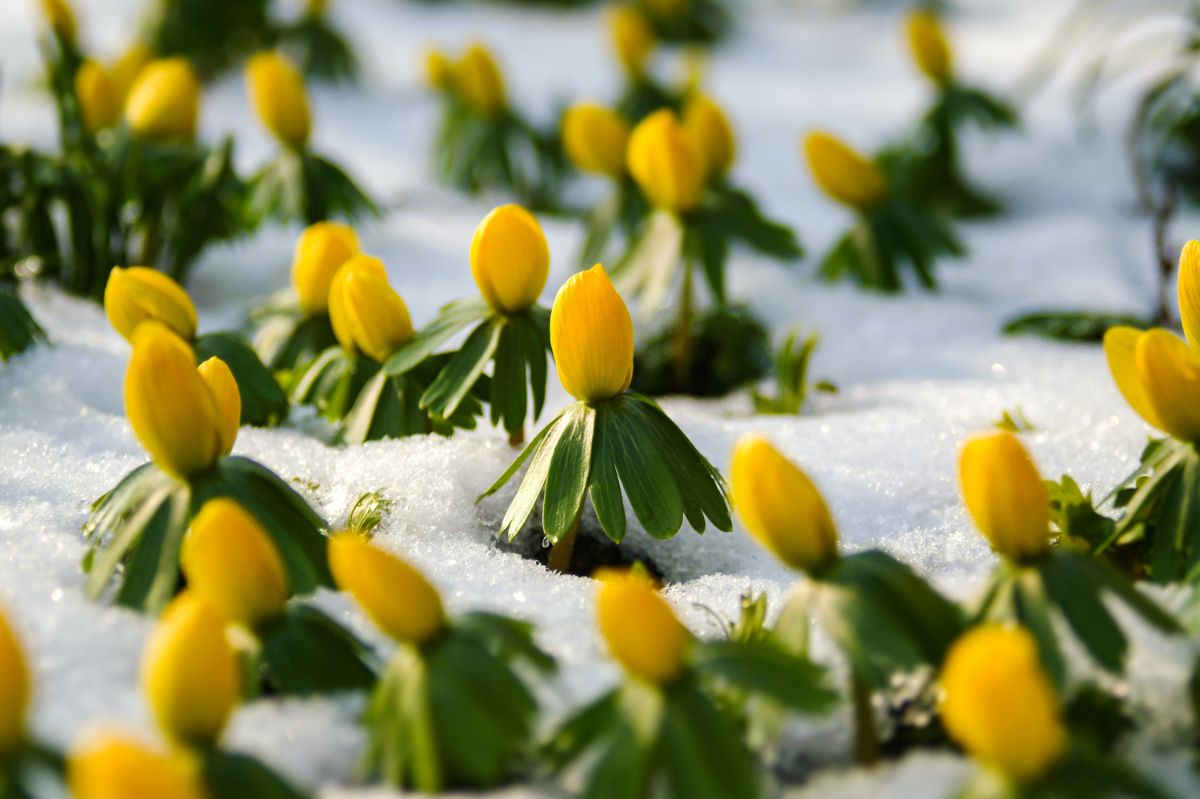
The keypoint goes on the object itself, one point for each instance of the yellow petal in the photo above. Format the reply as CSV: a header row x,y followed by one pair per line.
x,y
366,312
929,46
339,309
666,163
112,767
61,18
1171,381
640,628
228,399
1120,348
126,69
439,71
14,688
591,335
633,38
1189,292
510,259
1006,495
164,102
99,105
595,139
140,294
277,91
393,593
321,251
709,127
479,82
842,173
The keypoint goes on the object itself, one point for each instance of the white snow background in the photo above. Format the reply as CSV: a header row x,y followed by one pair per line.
x,y
917,373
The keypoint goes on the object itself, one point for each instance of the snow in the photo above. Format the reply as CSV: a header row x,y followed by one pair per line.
x,y
917,373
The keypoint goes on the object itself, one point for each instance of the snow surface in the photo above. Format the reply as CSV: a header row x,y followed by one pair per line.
x,y
918,373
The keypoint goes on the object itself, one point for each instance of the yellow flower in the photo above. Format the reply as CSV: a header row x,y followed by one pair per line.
x,y
112,767
666,163
397,597
171,406
99,104
510,259
320,252
930,50
781,507
843,174
164,101
61,18
479,82
190,674
595,138
139,294
277,90
640,628
367,314
231,563
14,688
1189,292
633,39
591,335
999,705
439,71
1005,495
125,70
228,399
709,127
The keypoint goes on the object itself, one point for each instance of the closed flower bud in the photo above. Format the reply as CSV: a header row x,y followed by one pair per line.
x,y
164,102
114,768
227,397
781,507
479,82
1159,376
667,163
61,18
277,90
999,705
640,628
125,70
633,39
439,71
843,174
397,597
99,104
231,563
139,294
1189,292
190,674
595,138
367,314
510,259
929,47
322,250
591,335
14,689
1005,495
709,127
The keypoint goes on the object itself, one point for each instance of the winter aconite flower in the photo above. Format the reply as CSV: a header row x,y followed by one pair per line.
x,y
14,689
510,259
99,103
111,767
277,90
595,139
367,313
439,70
164,102
1006,495
321,251
999,704
228,401
709,127
138,294
479,82
842,173
397,597
640,628
781,507
591,334
667,163
125,70
929,47
633,39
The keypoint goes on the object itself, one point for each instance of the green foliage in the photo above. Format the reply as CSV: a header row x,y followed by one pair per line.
x,y
623,211
304,652
1079,326
643,95
264,402
695,22
319,49
288,340
1015,421
389,405
212,34
1073,513
730,349
236,776
30,770
18,329
368,511
792,384
306,188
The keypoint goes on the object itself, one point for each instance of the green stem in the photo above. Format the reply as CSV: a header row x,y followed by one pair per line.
x,y
683,331
866,739
517,438
564,548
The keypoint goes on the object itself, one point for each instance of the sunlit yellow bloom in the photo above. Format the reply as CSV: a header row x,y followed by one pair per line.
x,y
390,591
708,125
99,105
842,173
479,81
164,101
591,335
781,507
1159,376
667,163
595,138
61,18
998,703
231,563
139,294
125,70
510,259
439,70
228,398
14,688
277,90
633,39
321,251
930,50
640,628
1189,292
190,674
112,767
1005,495
367,314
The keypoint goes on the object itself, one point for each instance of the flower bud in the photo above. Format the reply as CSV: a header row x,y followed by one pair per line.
x,y
231,563
930,50
666,163
781,507
227,397
367,314
439,71
843,174
14,689
591,335
1005,495
709,127
322,250
111,767
633,39
280,99
397,597
139,294
125,70
99,104
164,101
1169,373
1189,293
61,18
479,82
510,259
595,139
640,628
998,703
190,674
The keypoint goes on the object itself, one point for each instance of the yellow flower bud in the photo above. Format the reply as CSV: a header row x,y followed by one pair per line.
x,y
781,507
280,99
510,259
164,101
1189,292
1159,376
708,126
61,18
999,705
112,767
227,397
640,628
125,70
595,139
139,294
1005,495
591,335
930,50
99,104
479,81
190,674
843,174
666,163
633,39
367,314
14,689
397,597
170,406
231,563
439,71
322,250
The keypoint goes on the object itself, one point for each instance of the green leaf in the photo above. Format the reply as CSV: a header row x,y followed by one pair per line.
x,y
763,668
540,451
458,376
451,319
1077,597
151,576
567,478
1078,326
704,757
652,488
1032,613
305,652
236,776
604,487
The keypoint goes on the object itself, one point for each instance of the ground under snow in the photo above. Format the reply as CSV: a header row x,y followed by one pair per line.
x,y
917,373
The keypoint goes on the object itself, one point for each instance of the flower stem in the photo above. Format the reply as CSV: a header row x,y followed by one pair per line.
x,y
517,438
683,331
866,741
561,552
